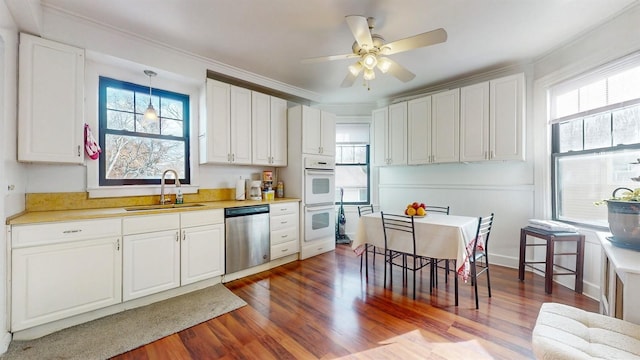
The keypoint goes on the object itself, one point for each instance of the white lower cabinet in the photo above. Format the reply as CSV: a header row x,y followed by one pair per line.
x,y
60,270
150,259
202,249
284,225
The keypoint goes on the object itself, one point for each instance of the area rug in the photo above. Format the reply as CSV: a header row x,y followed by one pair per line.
x,y
413,345
121,332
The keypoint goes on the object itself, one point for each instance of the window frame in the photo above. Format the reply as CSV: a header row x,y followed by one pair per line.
x,y
368,167
103,83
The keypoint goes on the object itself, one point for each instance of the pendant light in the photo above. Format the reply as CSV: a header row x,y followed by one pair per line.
x,y
150,113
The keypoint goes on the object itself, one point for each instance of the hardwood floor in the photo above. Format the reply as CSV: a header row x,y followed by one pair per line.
x,y
323,308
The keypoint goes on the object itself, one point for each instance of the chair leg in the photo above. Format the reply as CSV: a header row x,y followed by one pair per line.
x,y
488,278
386,254
414,277
446,271
366,261
474,275
455,284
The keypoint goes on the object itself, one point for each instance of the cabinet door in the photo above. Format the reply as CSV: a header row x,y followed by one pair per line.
x,y
151,263
279,132
202,253
51,102
474,122
240,126
328,134
507,118
397,134
380,121
311,120
53,282
445,126
215,134
419,131
260,128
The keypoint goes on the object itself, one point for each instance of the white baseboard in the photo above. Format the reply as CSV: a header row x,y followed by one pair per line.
x,y
4,342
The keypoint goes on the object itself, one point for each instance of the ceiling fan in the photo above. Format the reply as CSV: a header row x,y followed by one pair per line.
x,y
371,51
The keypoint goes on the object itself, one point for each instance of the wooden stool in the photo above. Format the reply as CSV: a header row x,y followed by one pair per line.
x,y
551,238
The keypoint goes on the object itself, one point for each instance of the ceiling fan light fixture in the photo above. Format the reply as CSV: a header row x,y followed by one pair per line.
x,y
355,68
369,74
384,64
150,113
369,61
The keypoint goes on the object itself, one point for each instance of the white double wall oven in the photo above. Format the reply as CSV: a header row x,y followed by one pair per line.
x,y
318,199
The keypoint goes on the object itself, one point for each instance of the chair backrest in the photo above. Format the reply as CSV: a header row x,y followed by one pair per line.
x,y
484,230
365,209
438,209
400,223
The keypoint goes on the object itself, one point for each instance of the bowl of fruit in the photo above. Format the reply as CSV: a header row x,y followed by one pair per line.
x,y
416,209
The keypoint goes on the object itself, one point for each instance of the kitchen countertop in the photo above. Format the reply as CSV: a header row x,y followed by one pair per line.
x,y
33,217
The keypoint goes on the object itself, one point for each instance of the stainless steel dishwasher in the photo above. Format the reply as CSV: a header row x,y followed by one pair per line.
x,y
247,237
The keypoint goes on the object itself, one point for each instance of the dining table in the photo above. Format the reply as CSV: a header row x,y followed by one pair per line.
x,y
438,236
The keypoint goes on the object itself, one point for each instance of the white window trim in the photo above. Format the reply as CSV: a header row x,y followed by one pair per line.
x,y
93,71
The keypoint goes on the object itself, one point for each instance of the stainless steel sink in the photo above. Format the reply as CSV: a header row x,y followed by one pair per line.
x,y
161,207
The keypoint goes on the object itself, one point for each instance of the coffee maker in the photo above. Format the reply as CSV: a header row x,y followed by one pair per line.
x,y
255,191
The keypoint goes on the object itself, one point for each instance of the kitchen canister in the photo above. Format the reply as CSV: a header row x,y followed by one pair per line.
x,y
280,189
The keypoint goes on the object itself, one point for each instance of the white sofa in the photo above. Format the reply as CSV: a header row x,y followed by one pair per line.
x,y
566,332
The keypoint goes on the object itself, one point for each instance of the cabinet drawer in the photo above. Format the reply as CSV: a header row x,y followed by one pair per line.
x,y
284,221
283,208
284,235
200,218
52,233
150,223
284,249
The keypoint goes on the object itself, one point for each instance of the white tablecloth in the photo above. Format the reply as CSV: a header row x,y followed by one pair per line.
x,y
438,236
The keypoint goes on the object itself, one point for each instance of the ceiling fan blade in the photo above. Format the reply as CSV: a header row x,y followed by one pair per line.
x,y
425,39
348,80
399,71
327,58
360,29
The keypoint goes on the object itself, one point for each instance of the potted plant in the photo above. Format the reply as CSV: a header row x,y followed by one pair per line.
x,y
624,217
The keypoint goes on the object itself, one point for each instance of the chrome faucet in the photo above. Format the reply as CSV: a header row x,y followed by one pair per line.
x,y
175,174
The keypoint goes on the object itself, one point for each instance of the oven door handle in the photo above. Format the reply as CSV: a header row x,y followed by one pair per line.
x,y
320,172
319,208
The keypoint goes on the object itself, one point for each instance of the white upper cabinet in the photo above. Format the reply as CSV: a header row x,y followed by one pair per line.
x,y
492,120
506,118
445,126
226,125
51,102
474,122
389,135
269,127
318,132
419,133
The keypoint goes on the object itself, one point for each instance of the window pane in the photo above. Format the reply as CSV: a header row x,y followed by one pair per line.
x,y
347,155
597,131
626,126
147,126
624,86
567,104
360,154
172,127
119,99
129,157
585,179
353,179
118,120
593,95
142,102
571,136
171,109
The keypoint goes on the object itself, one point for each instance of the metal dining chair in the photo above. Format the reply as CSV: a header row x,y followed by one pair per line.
x,y
437,262
364,210
479,258
395,225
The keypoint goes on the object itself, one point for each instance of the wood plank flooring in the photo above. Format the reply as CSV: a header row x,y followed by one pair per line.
x,y
324,308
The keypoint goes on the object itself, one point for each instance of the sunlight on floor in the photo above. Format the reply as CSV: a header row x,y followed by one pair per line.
x,y
413,345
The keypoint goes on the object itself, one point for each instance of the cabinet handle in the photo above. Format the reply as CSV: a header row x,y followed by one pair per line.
x,y
284,236
118,244
233,157
184,235
283,222
284,250
78,150
177,236
72,231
